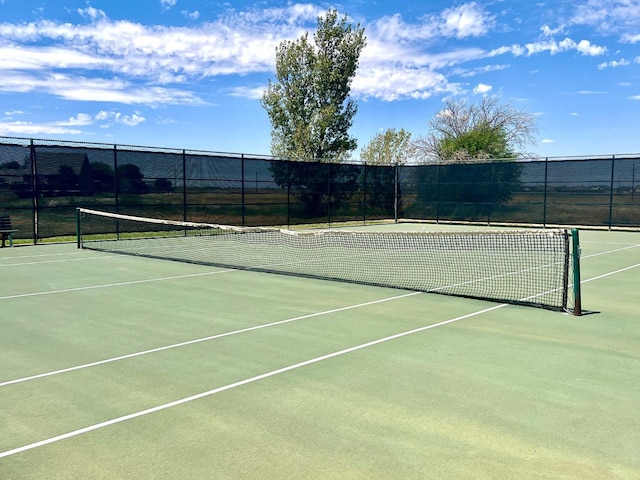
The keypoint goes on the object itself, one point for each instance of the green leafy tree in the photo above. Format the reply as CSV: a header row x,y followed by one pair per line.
x,y
96,177
478,131
62,183
103,176
390,147
463,138
130,179
482,142
311,113
309,105
384,151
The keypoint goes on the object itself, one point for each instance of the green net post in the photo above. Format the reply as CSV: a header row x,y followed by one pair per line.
x,y
577,298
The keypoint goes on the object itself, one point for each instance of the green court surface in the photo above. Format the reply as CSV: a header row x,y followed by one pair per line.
x,y
120,367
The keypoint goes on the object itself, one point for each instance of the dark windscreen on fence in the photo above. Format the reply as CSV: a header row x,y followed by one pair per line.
x,y
42,182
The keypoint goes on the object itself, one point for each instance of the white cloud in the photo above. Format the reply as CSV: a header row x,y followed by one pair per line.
x,y
548,140
550,32
78,120
468,20
92,13
28,128
480,70
96,89
585,47
609,16
253,93
139,57
192,15
613,64
104,118
482,88
131,120
131,63
389,83
39,58
118,117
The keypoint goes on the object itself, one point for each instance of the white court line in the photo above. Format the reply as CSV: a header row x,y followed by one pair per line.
x,y
611,251
238,384
204,339
108,285
610,273
42,262
42,255
256,378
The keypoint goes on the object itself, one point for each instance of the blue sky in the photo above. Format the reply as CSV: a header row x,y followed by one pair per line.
x,y
189,74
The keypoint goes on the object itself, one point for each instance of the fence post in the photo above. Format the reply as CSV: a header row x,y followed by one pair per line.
x,y
546,182
396,192
115,178
242,191
288,193
184,186
437,193
364,195
490,206
34,191
613,166
329,194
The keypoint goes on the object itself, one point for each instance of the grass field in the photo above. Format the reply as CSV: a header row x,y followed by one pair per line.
x,y
118,367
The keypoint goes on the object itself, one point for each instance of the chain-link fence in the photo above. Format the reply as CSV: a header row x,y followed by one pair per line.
x,y
43,181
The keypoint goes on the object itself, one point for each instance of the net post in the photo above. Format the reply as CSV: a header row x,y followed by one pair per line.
x,y
78,240
577,297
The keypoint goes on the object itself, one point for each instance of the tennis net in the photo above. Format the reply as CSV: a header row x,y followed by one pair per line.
x,y
529,267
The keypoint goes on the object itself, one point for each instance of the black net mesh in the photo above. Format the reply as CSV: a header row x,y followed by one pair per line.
x,y
523,267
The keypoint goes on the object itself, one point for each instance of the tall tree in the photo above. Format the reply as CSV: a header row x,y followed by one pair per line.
x,y
485,130
309,105
462,138
388,148
384,151
311,112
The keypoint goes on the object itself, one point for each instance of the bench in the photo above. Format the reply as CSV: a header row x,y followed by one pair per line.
x,y
5,230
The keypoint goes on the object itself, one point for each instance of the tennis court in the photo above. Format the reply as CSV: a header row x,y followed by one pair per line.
x,y
121,367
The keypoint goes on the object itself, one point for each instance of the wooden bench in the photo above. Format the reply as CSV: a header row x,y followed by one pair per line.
x,y
5,230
